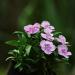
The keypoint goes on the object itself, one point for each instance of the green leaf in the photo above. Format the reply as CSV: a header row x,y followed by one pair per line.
x,y
20,68
44,57
18,32
57,33
10,52
12,42
17,65
65,59
21,36
28,48
10,58
30,69
57,59
31,60
13,52
16,51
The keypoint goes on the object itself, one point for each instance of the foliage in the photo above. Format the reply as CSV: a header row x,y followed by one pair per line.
x,y
29,55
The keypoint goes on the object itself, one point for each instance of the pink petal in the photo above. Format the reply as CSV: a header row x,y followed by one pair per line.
x,y
36,28
66,56
48,31
63,51
45,24
42,43
43,35
51,27
62,39
60,48
47,46
37,25
48,52
28,29
69,53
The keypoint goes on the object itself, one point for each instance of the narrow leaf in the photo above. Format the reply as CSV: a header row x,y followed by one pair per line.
x,y
17,65
12,42
18,32
57,33
11,57
16,51
28,48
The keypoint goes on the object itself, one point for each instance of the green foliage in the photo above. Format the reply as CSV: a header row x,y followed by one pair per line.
x,y
28,48
17,65
10,58
21,36
57,33
12,43
27,54
21,54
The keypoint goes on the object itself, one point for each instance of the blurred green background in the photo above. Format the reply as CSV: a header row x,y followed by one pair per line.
x,y
14,14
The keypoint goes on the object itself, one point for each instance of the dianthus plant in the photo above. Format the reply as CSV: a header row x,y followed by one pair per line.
x,y
39,47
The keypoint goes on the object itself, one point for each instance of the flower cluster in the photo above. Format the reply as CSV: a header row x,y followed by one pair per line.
x,y
47,35
47,45
39,46
63,47
32,29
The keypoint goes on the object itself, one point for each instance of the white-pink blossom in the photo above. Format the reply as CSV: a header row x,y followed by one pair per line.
x,y
45,24
62,39
32,29
63,51
48,37
47,47
49,30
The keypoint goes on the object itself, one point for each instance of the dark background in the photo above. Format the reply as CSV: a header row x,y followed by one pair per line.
x,y
14,14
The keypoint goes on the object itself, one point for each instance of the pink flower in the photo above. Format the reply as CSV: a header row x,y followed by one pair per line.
x,y
45,24
28,29
47,47
32,29
47,27
63,51
49,30
48,37
36,28
62,39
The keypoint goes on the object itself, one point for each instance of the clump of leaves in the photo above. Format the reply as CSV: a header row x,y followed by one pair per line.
x,y
39,49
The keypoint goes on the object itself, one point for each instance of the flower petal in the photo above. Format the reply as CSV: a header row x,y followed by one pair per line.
x,y
45,24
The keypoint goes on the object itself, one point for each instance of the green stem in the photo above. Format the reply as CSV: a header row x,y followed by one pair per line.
x,y
45,69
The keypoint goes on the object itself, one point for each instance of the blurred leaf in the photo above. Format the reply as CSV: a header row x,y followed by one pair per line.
x,y
30,68
31,60
24,39
43,57
58,60
10,53
18,32
20,68
21,36
12,42
28,48
57,33
17,65
16,51
11,57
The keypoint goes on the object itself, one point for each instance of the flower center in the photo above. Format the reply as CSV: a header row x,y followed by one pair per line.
x,y
47,47
64,51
